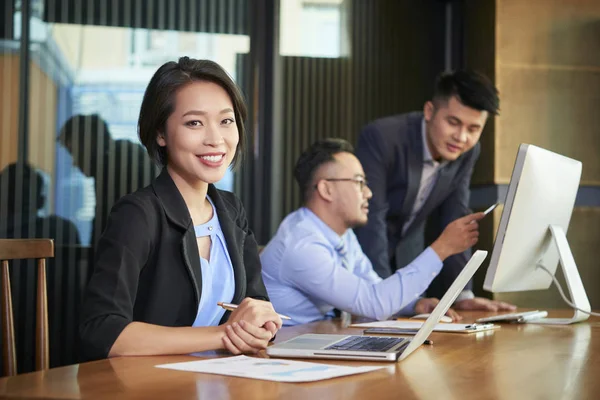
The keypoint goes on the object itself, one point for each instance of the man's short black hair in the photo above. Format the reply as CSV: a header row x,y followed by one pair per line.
x,y
473,89
319,153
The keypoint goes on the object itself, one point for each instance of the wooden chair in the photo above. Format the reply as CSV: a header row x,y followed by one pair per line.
x,y
13,249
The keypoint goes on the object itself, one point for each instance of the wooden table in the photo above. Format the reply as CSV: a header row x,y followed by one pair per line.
x,y
514,362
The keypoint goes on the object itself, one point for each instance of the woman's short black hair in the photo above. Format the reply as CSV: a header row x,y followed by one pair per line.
x,y
319,153
159,102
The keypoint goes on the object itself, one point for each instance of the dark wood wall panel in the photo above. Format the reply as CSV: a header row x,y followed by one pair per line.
x,y
396,51
317,106
220,16
479,53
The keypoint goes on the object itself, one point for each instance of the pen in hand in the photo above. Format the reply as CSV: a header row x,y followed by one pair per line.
x,y
231,307
478,327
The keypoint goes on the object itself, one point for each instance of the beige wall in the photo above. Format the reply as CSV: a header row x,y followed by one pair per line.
x,y
546,65
42,116
42,123
9,108
548,71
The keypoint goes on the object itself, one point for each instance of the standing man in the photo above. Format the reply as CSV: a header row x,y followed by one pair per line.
x,y
419,167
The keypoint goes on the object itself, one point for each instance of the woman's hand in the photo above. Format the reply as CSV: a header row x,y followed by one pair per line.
x,y
256,312
243,337
251,326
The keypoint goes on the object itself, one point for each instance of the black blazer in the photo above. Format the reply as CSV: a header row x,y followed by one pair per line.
x,y
147,265
391,152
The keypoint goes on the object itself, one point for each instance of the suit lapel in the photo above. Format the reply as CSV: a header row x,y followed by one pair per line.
x,y
414,166
438,193
191,258
177,212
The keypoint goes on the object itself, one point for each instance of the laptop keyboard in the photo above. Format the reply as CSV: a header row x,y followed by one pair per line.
x,y
366,343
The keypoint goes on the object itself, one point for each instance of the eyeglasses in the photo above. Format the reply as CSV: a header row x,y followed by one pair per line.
x,y
362,183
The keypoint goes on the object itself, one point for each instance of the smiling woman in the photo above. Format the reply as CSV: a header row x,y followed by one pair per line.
x,y
174,249
200,136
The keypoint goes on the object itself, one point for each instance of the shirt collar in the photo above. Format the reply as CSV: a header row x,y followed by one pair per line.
x,y
330,235
210,227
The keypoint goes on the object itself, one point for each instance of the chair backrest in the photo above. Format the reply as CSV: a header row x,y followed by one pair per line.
x,y
13,249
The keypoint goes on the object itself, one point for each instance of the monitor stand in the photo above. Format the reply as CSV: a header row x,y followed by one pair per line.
x,y
574,284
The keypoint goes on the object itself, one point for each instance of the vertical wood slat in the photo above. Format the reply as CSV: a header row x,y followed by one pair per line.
x,y
42,359
9,358
388,68
13,249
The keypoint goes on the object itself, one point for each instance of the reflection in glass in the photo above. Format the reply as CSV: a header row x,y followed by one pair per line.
x,y
23,201
111,68
91,63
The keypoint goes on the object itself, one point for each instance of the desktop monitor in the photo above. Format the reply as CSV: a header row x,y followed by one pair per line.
x,y
531,237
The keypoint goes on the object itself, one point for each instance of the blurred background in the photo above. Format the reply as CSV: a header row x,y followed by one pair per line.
x,y
73,74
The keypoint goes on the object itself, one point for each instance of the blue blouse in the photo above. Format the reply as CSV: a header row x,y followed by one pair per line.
x,y
218,282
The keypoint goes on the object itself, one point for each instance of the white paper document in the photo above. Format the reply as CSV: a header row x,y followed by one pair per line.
x,y
415,326
269,369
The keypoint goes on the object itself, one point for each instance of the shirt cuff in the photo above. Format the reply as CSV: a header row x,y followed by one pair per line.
x,y
433,255
417,276
465,295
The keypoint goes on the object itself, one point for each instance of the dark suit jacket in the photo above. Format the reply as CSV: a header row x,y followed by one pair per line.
x,y
148,266
391,152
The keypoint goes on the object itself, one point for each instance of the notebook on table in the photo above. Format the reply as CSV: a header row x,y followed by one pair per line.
x,y
375,348
411,327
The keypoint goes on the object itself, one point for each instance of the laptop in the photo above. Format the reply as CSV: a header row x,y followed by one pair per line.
x,y
375,348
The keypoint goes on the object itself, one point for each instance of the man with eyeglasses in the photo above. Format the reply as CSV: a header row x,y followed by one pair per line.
x,y
314,263
420,165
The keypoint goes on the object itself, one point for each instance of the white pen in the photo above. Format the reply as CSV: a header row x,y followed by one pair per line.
x,y
490,208
231,307
533,316
478,327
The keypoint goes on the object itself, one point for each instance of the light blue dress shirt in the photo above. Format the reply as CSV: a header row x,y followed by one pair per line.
x,y
306,277
218,282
